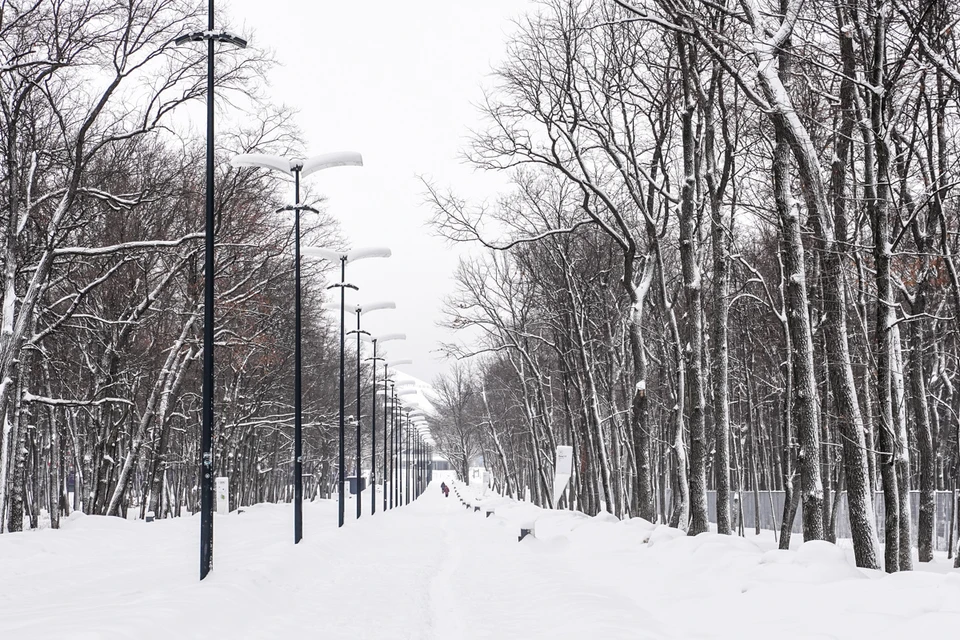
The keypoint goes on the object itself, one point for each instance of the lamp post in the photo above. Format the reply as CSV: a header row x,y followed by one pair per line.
x,y
416,462
373,417
344,257
421,429
395,436
206,434
389,473
393,441
429,461
298,167
361,309
406,489
403,479
423,462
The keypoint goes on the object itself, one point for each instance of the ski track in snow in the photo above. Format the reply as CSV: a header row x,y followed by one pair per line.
x,y
446,619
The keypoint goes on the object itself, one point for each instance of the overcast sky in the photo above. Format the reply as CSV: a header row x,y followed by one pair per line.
x,y
396,81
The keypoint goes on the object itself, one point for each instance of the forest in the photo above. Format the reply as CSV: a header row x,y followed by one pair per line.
x,y
725,268
102,205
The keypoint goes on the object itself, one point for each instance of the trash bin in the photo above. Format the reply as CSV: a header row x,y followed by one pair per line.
x,y
353,484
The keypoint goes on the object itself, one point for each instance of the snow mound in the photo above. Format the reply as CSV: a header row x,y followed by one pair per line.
x,y
663,534
639,523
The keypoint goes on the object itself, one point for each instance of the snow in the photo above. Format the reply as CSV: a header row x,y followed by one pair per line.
x,y
434,569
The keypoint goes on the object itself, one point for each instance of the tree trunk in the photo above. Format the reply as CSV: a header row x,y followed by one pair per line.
x,y
699,521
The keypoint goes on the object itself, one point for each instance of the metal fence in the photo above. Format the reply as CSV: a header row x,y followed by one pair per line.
x,y
771,513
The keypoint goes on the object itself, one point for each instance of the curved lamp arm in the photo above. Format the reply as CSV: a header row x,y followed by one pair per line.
x,y
306,166
322,252
385,337
362,308
368,252
277,163
350,256
375,306
330,160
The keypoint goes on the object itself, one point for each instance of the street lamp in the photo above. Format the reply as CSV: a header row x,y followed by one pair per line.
x,y
405,454
298,167
361,309
206,434
344,257
406,493
396,429
373,418
394,410
421,430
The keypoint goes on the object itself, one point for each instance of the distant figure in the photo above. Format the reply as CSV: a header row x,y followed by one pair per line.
x,y
445,489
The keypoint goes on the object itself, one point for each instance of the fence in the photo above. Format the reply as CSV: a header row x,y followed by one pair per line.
x,y
771,513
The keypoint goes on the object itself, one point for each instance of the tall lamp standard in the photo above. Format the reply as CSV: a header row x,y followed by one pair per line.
x,y
406,491
206,434
344,257
421,432
373,417
402,389
404,471
423,459
361,309
418,422
389,473
298,167
415,489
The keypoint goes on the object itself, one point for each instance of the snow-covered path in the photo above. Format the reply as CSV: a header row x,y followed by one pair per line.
x,y
435,570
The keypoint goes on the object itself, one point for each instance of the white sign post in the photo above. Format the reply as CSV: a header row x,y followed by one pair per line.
x,y
476,481
562,472
223,495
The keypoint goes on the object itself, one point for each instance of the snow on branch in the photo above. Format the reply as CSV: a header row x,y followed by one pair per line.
x,y
61,402
126,246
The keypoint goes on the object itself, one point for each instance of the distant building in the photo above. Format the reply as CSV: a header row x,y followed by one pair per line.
x,y
439,464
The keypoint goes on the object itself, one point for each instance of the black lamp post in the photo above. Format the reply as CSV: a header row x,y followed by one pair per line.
x,y
373,416
405,449
419,425
416,464
395,457
298,167
389,442
419,451
206,435
386,432
400,454
429,463
406,490
393,442
344,257
420,464
360,309
388,395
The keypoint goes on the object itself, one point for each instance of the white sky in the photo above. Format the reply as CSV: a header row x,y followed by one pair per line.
x,y
396,81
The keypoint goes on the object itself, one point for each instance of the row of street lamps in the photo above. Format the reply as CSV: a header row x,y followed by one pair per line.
x,y
301,168
417,450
